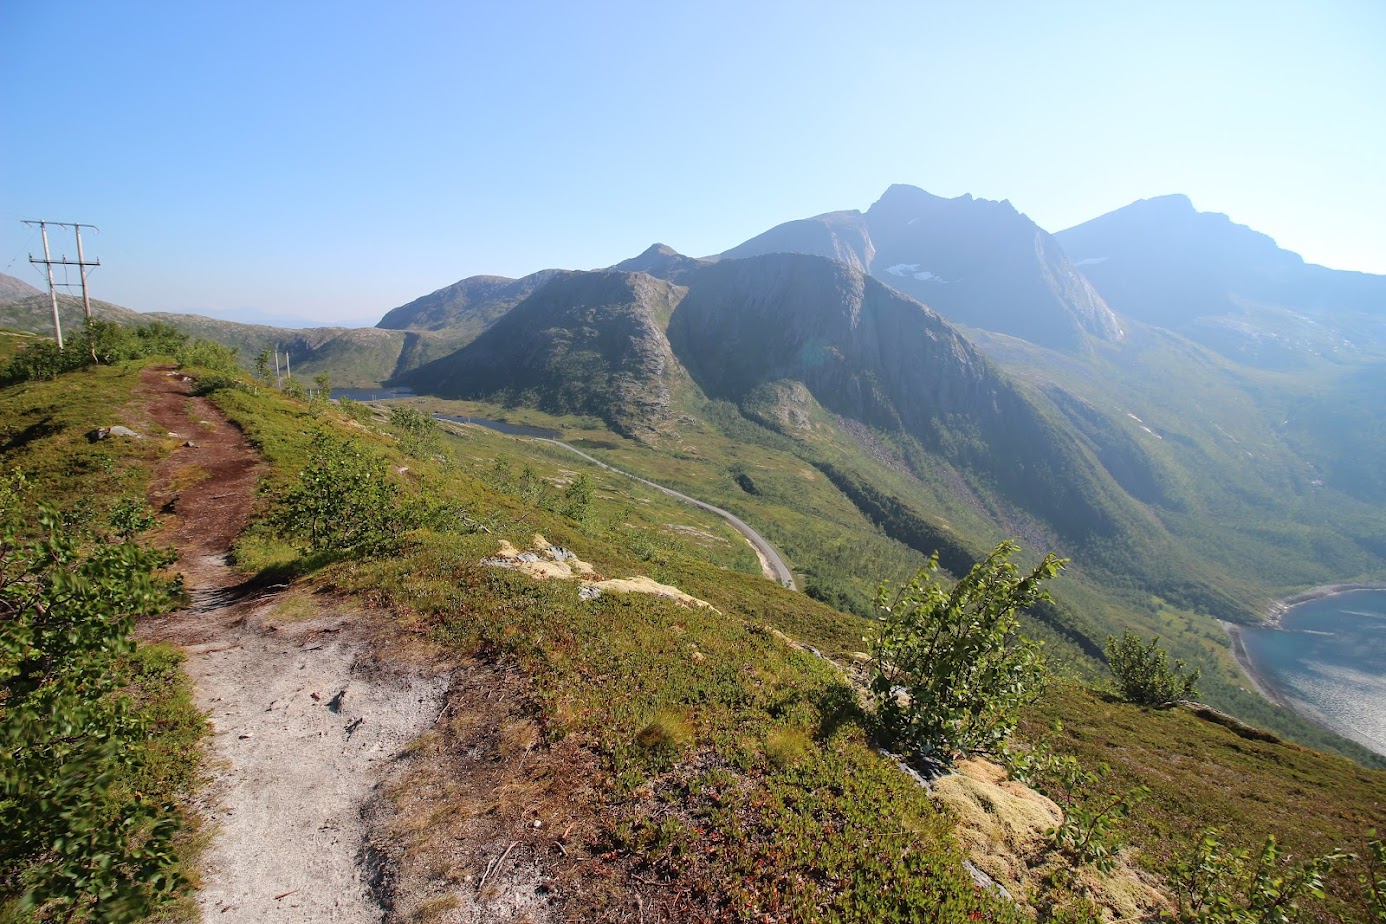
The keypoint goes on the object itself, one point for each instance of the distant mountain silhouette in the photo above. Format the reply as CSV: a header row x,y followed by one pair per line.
x,y
976,262
1162,261
661,261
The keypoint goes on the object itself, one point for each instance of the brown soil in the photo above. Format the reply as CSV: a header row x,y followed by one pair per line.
x,y
208,513
304,726
359,773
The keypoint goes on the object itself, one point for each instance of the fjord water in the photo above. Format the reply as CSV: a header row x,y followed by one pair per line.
x,y
1328,659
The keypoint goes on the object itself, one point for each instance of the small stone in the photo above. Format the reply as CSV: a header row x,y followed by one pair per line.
x,y
102,433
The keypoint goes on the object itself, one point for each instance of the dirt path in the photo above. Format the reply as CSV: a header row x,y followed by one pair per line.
x,y
304,728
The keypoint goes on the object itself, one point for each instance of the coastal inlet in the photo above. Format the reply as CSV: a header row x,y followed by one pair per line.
x,y
1327,660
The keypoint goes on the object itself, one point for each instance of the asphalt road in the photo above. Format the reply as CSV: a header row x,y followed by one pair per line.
x,y
771,562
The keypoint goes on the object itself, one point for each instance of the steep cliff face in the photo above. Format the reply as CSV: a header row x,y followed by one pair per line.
x,y
840,236
865,351
586,343
976,262
868,353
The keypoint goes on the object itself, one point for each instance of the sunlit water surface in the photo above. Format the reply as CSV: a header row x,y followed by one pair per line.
x,y
1329,658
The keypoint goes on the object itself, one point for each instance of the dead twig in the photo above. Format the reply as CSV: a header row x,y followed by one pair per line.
x,y
495,865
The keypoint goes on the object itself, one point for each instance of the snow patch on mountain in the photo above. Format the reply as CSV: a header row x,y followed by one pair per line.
x,y
912,269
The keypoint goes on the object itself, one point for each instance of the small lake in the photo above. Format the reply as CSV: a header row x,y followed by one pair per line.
x,y
372,394
501,426
1329,659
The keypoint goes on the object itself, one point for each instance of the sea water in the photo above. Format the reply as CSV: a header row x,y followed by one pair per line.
x,y
1328,658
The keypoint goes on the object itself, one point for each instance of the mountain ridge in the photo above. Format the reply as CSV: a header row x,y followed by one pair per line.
x,y
977,262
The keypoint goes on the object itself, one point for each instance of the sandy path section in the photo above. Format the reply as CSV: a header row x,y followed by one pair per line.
x,y
304,726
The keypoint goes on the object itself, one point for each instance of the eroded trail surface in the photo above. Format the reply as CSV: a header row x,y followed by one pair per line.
x,y
304,726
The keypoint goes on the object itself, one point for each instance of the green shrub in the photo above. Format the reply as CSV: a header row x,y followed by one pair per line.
x,y
1143,673
1373,878
419,434
1088,834
78,842
1220,884
578,498
107,342
950,671
344,499
207,354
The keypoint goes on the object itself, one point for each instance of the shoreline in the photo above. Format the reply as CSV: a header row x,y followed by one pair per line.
x,y
1264,685
1277,610
1259,683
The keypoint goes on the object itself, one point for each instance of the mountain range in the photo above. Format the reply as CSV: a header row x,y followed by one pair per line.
x,y
1190,412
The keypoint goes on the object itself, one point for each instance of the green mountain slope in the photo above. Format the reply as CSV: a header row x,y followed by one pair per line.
x,y
585,343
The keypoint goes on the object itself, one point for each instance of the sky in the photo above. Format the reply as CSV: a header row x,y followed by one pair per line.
x,y
330,161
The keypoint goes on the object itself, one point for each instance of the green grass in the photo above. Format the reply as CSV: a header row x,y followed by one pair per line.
x,y
11,342
763,738
1203,774
43,435
745,774
842,556
44,429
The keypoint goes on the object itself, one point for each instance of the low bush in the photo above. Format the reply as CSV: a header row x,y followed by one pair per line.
x,y
1143,673
342,500
80,840
950,670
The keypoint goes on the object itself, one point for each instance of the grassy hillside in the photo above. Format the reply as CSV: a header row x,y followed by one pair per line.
x,y
842,548
98,783
693,756
352,357
722,812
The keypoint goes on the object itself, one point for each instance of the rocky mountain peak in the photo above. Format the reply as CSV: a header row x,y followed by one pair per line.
x,y
660,261
976,261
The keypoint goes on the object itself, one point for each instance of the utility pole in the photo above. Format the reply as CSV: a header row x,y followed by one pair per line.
x,y
81,263
52,292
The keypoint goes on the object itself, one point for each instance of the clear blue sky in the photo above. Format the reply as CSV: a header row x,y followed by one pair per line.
x,y
332,160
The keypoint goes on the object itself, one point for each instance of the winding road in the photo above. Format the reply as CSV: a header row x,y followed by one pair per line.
x,y
770,561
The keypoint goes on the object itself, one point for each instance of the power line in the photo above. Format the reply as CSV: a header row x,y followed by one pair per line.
x,y
81,263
